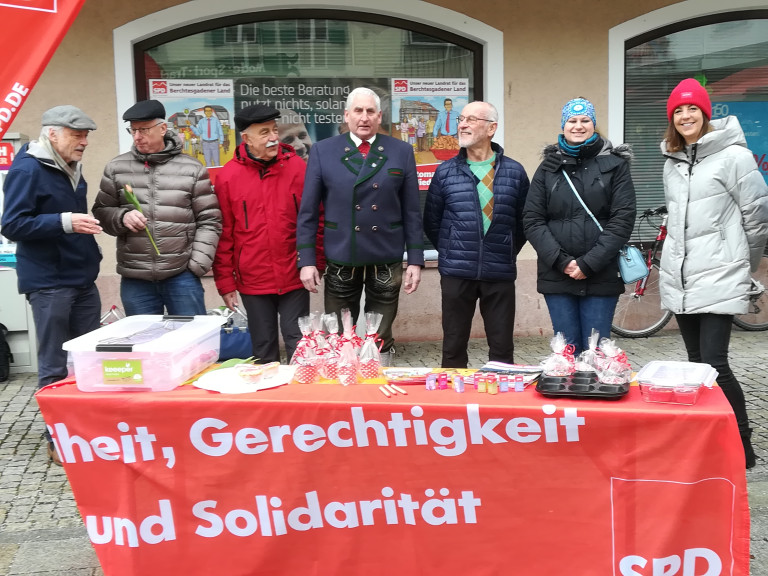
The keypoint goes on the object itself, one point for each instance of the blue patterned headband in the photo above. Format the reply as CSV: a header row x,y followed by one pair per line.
x,y
578,107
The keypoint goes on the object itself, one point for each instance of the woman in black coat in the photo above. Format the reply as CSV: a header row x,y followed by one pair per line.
x,y
578,271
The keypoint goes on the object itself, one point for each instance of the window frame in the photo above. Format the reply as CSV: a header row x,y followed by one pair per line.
x,y
200,13
141,47
674,18
658,24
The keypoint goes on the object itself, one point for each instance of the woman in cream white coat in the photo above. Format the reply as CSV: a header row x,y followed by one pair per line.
x,y
718,224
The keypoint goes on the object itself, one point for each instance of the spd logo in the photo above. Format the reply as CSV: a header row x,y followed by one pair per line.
x,y
159,87
671,528
400,86
693,562
39,5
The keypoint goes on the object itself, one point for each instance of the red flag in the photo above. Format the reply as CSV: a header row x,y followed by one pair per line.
x,y
30,32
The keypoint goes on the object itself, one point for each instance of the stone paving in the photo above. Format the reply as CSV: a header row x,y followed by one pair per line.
x,y
42,534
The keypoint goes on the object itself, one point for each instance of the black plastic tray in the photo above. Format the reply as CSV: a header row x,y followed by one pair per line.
x,y
580,385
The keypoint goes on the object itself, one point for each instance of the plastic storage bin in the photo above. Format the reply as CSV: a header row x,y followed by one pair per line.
x,y
670,393
145,352
674,382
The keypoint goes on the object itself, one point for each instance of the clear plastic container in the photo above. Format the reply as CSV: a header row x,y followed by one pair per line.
x,y
145,352
670,393
674,382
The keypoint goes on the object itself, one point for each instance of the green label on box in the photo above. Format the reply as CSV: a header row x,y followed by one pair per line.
x,y
125,372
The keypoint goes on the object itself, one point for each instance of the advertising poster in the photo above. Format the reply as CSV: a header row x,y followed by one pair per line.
x,y
202,113
424,114
751,116
311,108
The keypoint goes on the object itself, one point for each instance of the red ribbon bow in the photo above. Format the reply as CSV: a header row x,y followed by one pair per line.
x,y
568,351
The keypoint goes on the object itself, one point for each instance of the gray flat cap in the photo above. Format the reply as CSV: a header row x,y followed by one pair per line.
x,y
68,116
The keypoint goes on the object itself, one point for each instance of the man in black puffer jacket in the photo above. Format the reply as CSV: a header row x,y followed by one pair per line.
x,y
474,217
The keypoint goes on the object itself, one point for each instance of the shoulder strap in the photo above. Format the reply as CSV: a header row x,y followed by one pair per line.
x,y
582,201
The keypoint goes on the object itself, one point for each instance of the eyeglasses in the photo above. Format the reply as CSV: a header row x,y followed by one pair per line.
x,y
473,119
142,131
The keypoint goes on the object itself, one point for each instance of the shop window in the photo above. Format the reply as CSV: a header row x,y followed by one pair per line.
x,y
306,67
728,54
240,34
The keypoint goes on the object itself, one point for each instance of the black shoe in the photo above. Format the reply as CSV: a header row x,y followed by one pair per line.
x,y
53,455
749,451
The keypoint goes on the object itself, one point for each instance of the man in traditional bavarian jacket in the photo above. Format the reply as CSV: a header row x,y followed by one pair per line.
x,y
368,187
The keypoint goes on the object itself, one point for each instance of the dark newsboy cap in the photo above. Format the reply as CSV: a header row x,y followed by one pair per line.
x,y
68,116
255,114
145,110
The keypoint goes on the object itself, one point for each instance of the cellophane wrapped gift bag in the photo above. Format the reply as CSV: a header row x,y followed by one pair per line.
x,y
305,357
348,365
330,351
615,368
561,361
370,356
349,334
589,359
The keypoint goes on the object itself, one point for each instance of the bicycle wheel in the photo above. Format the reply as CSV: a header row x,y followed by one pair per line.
x,y
639,316
756,319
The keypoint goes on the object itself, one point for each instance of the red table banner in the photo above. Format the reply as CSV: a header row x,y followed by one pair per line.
x,y
30,32
324,479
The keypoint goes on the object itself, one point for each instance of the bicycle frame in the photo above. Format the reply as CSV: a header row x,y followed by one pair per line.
x,y
652,252
638,312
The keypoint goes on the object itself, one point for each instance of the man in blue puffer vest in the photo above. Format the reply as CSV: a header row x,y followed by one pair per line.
x,y
474,217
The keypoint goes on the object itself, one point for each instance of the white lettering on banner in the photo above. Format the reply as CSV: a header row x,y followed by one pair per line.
x,y
213,437
14,98
270,519
670,565
122,530
75,448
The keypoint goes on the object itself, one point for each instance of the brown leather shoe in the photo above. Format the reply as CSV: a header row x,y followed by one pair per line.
x,y
53,455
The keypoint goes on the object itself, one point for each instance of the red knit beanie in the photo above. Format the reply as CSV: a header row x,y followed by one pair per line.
x,y
689,91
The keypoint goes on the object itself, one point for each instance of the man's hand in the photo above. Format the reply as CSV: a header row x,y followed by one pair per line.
x,y
412,278
85,224
310,277
574,271
135,221
230,300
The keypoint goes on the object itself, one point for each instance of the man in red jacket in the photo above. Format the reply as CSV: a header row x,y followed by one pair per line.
x,y
259,191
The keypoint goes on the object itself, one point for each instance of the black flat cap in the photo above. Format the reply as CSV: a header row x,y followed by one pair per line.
x,y
145,110
255,114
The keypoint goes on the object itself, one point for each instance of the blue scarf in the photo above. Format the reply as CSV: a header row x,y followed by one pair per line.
x,y
575,150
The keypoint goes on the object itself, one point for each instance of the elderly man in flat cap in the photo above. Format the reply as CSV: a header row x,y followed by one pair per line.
x,y
165,246
46,214
259,192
